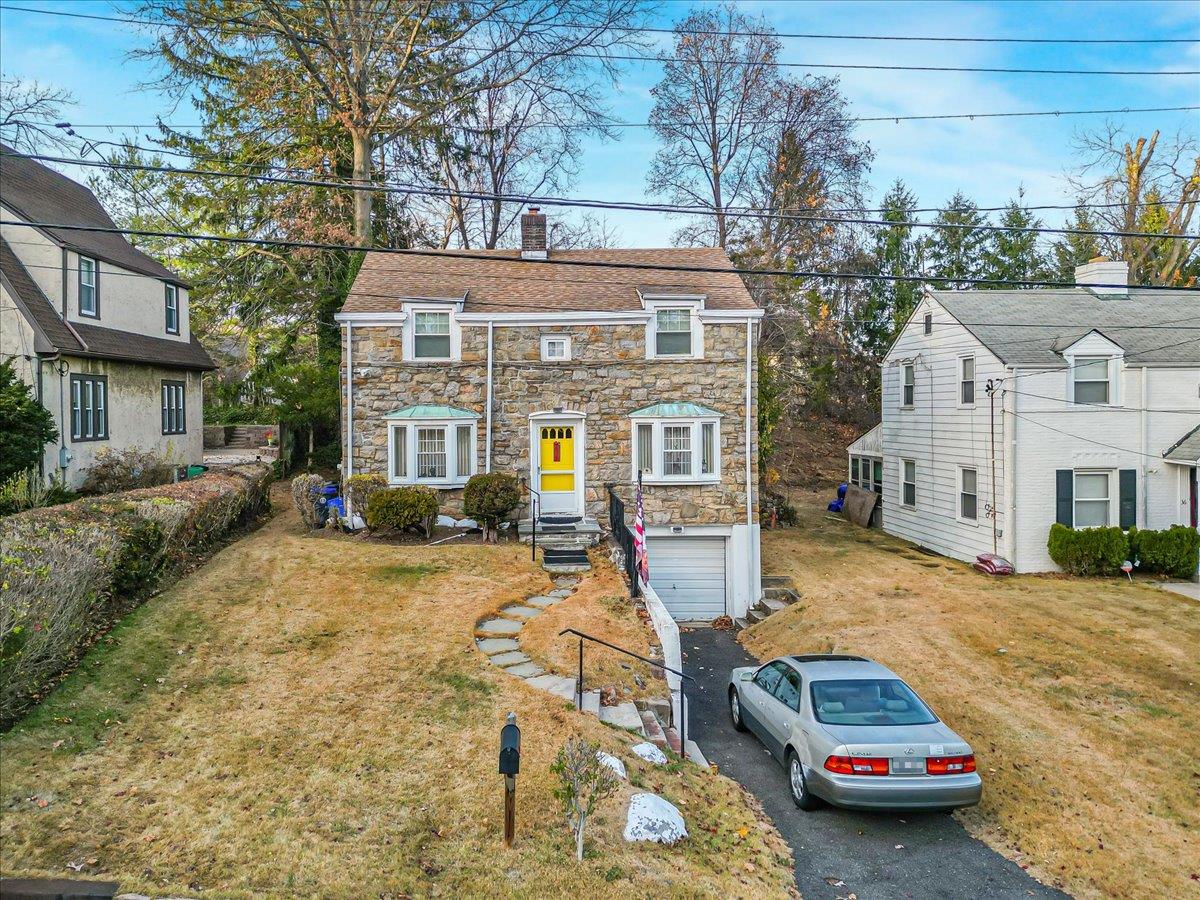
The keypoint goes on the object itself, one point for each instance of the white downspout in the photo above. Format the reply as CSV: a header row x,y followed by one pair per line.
x,y
1010,473
349,400
487,441
749,433
1142,441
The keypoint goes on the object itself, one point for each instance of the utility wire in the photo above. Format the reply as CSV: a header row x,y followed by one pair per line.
x,y
413,190
1072,403
552,261
1080,437
606,57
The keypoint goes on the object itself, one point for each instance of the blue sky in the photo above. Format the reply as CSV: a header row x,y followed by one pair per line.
x,y
986,158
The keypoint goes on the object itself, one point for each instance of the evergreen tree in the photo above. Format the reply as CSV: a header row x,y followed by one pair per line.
x,y
1073,250
1013,254
957,248
895,252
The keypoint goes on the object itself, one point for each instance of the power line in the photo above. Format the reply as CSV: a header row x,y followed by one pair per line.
x,y
1072,403
1057,113
605,57
552,261
1073,366
414,190
1080,437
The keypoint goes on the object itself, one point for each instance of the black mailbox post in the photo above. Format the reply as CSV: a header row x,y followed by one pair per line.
x,y
510,767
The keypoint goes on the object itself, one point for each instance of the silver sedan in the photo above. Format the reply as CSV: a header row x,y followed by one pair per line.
x,y
851,733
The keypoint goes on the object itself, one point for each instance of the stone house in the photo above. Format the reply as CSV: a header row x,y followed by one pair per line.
x,y
99,330
573,370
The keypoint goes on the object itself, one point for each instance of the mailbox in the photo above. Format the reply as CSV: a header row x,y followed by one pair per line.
x,y
510,747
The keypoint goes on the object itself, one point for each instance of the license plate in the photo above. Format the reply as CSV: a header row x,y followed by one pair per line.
x,y
908,766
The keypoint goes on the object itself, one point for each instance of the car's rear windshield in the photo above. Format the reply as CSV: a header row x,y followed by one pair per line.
x,y
868,701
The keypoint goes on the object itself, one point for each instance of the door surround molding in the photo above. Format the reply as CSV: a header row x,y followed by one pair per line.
x,y
577,420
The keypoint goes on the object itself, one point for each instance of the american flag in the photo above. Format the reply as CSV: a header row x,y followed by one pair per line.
x,y
639,538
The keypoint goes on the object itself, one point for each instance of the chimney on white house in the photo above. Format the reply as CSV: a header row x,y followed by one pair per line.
x,y
533,234
1100,271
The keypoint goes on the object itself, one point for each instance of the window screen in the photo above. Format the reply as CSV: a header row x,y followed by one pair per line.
x,y
673,335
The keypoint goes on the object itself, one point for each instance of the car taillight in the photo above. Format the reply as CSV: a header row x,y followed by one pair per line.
x,y
950,765
856,765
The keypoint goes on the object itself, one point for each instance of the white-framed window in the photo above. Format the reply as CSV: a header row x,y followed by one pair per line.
x,y
966,380
677,450
929,323
909,385
431,334
968,494
436,453
854,478
673,332
908,482
89,287
171,301
1092,506
1090,376
866,473
556,347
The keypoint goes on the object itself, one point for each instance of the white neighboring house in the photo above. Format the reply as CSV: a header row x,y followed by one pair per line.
x,y
99,330
1094,420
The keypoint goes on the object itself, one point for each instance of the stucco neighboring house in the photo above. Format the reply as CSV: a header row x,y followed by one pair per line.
x,y
574,375
97,328
1093,420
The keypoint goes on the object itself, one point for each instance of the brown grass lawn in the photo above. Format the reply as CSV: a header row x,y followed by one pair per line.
x,y
311,717
1085,726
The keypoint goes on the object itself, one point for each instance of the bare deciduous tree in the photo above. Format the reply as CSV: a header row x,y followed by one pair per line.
x,y
28,113
583,783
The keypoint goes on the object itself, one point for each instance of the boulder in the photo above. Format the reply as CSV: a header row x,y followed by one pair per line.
x,y
466,523
445,521
651,818
650,753
607,759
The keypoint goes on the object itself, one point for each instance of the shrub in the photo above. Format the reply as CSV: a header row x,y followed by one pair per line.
x,y
776,510
359,489
72,571
1088,551
126,470
395,509
1174,551
26,427
304,494
490,498
583,782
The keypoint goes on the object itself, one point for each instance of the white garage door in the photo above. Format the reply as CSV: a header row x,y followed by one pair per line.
x,y
688,573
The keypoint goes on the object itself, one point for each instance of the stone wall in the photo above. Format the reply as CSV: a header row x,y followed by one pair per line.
x,y
608,377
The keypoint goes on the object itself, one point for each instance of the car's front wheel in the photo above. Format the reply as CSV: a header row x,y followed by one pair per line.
x,y
735,710
799,787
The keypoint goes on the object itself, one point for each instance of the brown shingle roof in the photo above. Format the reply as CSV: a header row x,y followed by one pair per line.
x,y
98,342
39,194
499,281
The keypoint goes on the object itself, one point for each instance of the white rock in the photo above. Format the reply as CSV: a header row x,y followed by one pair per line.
x,y
651,818
607,759
466,523
445,521
650,753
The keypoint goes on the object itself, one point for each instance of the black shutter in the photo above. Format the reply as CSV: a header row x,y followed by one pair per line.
x,y
1065,484
1128,498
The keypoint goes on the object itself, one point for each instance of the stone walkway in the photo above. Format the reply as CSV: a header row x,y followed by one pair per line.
x,y
498,638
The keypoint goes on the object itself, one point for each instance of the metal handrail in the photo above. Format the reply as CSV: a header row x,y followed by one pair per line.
x,y
535,509
658,665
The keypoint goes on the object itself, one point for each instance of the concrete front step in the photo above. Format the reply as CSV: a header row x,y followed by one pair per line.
x,y
625,715
773,605
784,595
756,615
777,581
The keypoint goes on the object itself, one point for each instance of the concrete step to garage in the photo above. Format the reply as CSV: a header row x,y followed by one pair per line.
x,y
779,592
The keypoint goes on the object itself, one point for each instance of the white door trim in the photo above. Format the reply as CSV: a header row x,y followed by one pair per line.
x,y
578,421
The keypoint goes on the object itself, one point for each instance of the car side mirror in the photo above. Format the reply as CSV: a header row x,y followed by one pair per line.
x,y
747,676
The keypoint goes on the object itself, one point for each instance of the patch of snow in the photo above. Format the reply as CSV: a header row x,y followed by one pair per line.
x,y
607,759
650,753
651,818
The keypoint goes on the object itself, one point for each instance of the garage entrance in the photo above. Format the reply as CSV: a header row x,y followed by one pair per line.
x,y
688,573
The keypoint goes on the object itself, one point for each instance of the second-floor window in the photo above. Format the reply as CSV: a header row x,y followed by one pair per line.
x,y
89,287
966,383
431,335
556,347
172,305
174,418
910,385
1090,375
673,332
89,408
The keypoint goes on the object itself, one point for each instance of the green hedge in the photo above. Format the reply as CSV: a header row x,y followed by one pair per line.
x,y
69,572
489,498
1174,551
401,508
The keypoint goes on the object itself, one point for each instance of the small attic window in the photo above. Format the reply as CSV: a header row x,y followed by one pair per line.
x,y
929,323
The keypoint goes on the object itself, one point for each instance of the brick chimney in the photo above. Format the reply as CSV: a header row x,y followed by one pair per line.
x,y
533,234
1103,271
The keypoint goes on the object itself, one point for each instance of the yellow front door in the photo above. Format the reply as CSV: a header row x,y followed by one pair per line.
x,y
557,457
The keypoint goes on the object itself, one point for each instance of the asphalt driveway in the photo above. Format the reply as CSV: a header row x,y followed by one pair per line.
x,y
839,852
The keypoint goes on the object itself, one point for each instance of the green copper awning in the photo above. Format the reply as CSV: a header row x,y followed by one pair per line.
x,y
676,411
431,412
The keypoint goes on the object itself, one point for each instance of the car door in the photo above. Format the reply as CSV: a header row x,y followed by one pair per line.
x,y
782,711
756,693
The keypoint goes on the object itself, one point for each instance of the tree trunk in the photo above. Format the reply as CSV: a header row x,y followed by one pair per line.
x,y
579,839
361,139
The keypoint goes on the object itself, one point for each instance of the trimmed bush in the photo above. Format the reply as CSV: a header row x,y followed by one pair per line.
x,y
70,572
776,510
126,470
1088,551
396,509
304,495
1174,551
359,489
490,498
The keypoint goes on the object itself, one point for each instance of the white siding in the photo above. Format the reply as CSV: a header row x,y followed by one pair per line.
x,y
940,435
